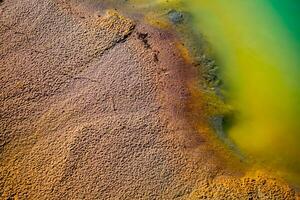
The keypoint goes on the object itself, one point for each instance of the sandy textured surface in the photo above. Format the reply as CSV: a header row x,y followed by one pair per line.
x,y
93,106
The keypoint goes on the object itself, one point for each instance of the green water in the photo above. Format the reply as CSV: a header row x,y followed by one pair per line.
x,y
256,44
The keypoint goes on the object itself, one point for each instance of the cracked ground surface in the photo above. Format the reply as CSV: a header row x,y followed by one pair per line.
x,y
91,109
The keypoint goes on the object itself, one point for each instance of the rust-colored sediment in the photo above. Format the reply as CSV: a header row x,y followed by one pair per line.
x,y
94,107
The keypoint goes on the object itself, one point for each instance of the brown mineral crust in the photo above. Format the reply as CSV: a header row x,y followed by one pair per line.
x,y
94,107
258,186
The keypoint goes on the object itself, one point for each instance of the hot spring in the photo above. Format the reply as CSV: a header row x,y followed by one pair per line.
x,y
256,46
